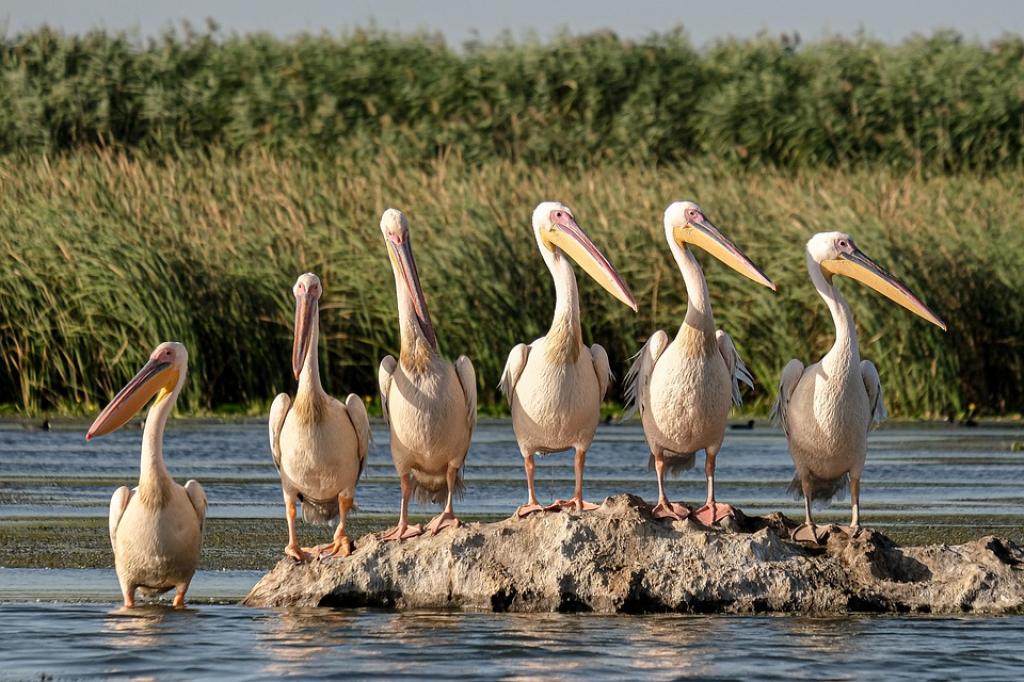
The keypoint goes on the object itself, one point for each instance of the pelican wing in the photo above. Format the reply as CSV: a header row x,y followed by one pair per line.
x,y
356,410
602,368
198,498
118,503
791,374
873,384
513,370
638,378
737,370
278,411
467,377
384,374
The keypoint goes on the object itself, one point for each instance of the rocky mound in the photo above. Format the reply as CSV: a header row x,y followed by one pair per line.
x,y
619,559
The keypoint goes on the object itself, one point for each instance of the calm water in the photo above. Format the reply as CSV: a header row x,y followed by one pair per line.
x,y
65,623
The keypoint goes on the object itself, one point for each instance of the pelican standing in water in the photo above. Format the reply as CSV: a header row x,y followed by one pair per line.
x,y
429,403
319,444
684,388
156,529
555,385
827,409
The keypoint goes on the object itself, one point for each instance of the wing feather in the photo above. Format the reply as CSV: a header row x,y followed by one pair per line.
x,y
355,408
118,503
602,368
737,370
791,374
278,411
467,378
513,370
198,497
873,384
638,378
384,374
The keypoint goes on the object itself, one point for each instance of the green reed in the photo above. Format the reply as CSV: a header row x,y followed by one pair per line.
x,y
106,255
939,103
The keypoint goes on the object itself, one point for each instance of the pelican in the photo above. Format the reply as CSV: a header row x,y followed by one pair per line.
x,y
683,388
827,409
156,529
319,445
555,385
429,403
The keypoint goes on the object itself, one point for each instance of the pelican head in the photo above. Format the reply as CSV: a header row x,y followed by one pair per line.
x,y
161,376
836,254
307,292
686,223
556,231
396,235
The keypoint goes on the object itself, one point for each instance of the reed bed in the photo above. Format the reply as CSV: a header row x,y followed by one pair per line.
x,y
106,255
938,103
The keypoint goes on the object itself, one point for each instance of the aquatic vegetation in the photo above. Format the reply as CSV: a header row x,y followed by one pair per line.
x,y
105,252
937,102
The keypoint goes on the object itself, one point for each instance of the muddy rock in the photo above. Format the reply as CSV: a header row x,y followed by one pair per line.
x,y
619,559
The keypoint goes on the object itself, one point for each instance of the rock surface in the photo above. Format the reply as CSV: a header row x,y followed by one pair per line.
x,y
619,559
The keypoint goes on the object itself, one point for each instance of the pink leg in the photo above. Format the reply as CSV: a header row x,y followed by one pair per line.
x,y
403,531
532,505
341,546
712,512
807,531
446,519
665,509
576,501
292,549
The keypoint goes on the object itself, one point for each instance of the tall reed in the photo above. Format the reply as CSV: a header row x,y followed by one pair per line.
x,y
106,254
938,103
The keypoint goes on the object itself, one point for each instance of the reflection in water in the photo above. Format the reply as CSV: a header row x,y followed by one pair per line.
x,y
302,636
88,640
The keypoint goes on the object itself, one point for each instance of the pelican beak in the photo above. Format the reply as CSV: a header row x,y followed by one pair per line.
x,y
567,236
400,251
705,235
306,308
155,377
858,266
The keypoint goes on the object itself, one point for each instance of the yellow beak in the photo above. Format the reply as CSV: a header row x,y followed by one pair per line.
x,y
706,236
861,268
306,308
155,377
404,265
566,235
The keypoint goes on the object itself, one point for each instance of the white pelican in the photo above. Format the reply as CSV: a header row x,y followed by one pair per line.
x,y
429,403
827,409
555,385
319,445
684,388
156,529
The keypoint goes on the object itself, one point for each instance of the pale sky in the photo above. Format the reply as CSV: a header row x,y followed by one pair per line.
x,y
704,20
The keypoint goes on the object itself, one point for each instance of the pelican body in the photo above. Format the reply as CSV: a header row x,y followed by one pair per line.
x,y
827,408
156,529
685,387
319,444
555,385
429,402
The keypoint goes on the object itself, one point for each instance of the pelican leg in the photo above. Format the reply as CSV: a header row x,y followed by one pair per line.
x,y
292,549
342,546
807,531
128,594
532,505
403,531
665,509
712,512
446,519
576,501
179,595
854,528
